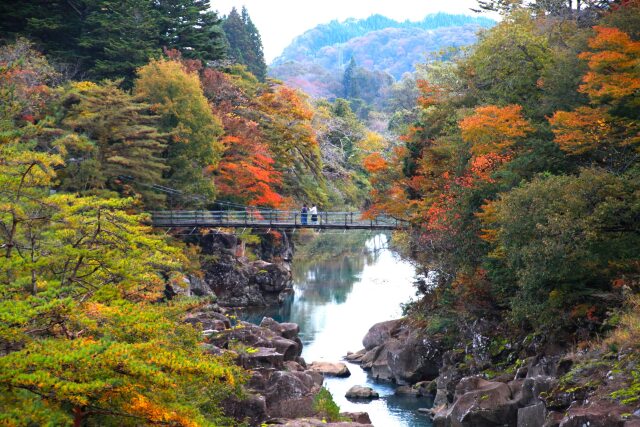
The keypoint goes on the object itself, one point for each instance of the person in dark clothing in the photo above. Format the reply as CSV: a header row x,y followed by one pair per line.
x,y
303,214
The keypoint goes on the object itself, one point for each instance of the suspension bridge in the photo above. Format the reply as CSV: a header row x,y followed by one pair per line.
x,y
253,218
241,216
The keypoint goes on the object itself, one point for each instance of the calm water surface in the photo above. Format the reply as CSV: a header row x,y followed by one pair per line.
x,y
335,302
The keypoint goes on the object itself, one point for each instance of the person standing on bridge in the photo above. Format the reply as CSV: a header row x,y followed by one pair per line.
x,y
303,214
314,214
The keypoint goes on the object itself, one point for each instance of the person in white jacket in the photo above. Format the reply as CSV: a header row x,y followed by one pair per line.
x,y
314,214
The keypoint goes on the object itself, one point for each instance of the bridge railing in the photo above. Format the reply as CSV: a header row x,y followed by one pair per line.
x,y
236,218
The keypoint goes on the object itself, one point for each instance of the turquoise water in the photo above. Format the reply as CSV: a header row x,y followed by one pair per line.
x,y
335,302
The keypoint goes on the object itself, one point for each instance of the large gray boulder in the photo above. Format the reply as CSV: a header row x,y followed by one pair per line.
x,y
290,394
331,369
380,333
361,392
393,351
479,403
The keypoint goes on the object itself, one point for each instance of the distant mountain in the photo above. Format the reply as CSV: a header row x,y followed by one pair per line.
x,y
315,60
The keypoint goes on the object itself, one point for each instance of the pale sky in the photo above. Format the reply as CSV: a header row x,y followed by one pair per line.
x,y
279,21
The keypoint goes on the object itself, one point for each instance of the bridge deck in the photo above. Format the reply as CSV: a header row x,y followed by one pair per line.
x,y
273,219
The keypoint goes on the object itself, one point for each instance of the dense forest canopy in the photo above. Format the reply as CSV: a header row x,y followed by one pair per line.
x,y
515,161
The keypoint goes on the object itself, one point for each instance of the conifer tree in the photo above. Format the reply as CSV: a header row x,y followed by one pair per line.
x,y
245,44
254,56
118,37
350,81
191,27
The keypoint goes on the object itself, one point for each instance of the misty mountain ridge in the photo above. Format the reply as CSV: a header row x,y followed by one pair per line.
x,y
315,61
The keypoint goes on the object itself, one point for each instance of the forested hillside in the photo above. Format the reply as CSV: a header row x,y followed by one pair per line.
x,y
515,163
520,175
103,103
316,60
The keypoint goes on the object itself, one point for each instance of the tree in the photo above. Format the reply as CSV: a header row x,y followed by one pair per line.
x,y
118,37
247,161
191,27
349,80
195,149
494,129
565,239
123,140
507,63
83,338
55,25
287,118
255,62
605,132
245,43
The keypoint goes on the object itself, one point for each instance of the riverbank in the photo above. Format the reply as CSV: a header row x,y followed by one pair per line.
x,y
335,301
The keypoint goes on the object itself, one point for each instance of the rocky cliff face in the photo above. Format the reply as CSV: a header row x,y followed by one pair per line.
x,y
236,281
475,385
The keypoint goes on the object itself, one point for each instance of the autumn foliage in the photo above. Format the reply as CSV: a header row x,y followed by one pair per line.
x,y
493,129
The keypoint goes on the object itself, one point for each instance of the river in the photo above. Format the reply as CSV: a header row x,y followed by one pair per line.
x,y
335,301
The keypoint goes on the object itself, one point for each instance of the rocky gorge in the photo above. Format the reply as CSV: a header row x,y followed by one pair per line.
x,y
487,380
282,388
546,387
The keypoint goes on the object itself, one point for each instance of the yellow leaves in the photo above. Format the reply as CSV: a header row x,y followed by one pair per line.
x,y
494,129
84,86
488,216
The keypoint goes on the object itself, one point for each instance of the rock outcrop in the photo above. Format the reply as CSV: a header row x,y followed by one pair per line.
x,y
280,385
236,281
361,392
395,352
331,369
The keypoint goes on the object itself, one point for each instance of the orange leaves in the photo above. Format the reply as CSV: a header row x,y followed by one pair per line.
x,y
614,66
612,82
430,94
484,165
493,129
582,130
145,408
374,163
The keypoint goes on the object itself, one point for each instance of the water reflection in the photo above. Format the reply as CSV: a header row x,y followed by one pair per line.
x,y
336,300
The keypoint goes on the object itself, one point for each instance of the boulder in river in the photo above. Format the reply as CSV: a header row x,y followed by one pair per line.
x,y
406,390
361,392
331,369
479,403
396,352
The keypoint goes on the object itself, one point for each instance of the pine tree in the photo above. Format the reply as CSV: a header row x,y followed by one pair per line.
x,y
254,55
119,37
350,81
191,27
245,43
56,25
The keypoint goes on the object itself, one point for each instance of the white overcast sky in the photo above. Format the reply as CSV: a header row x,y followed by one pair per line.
x,y
279,21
